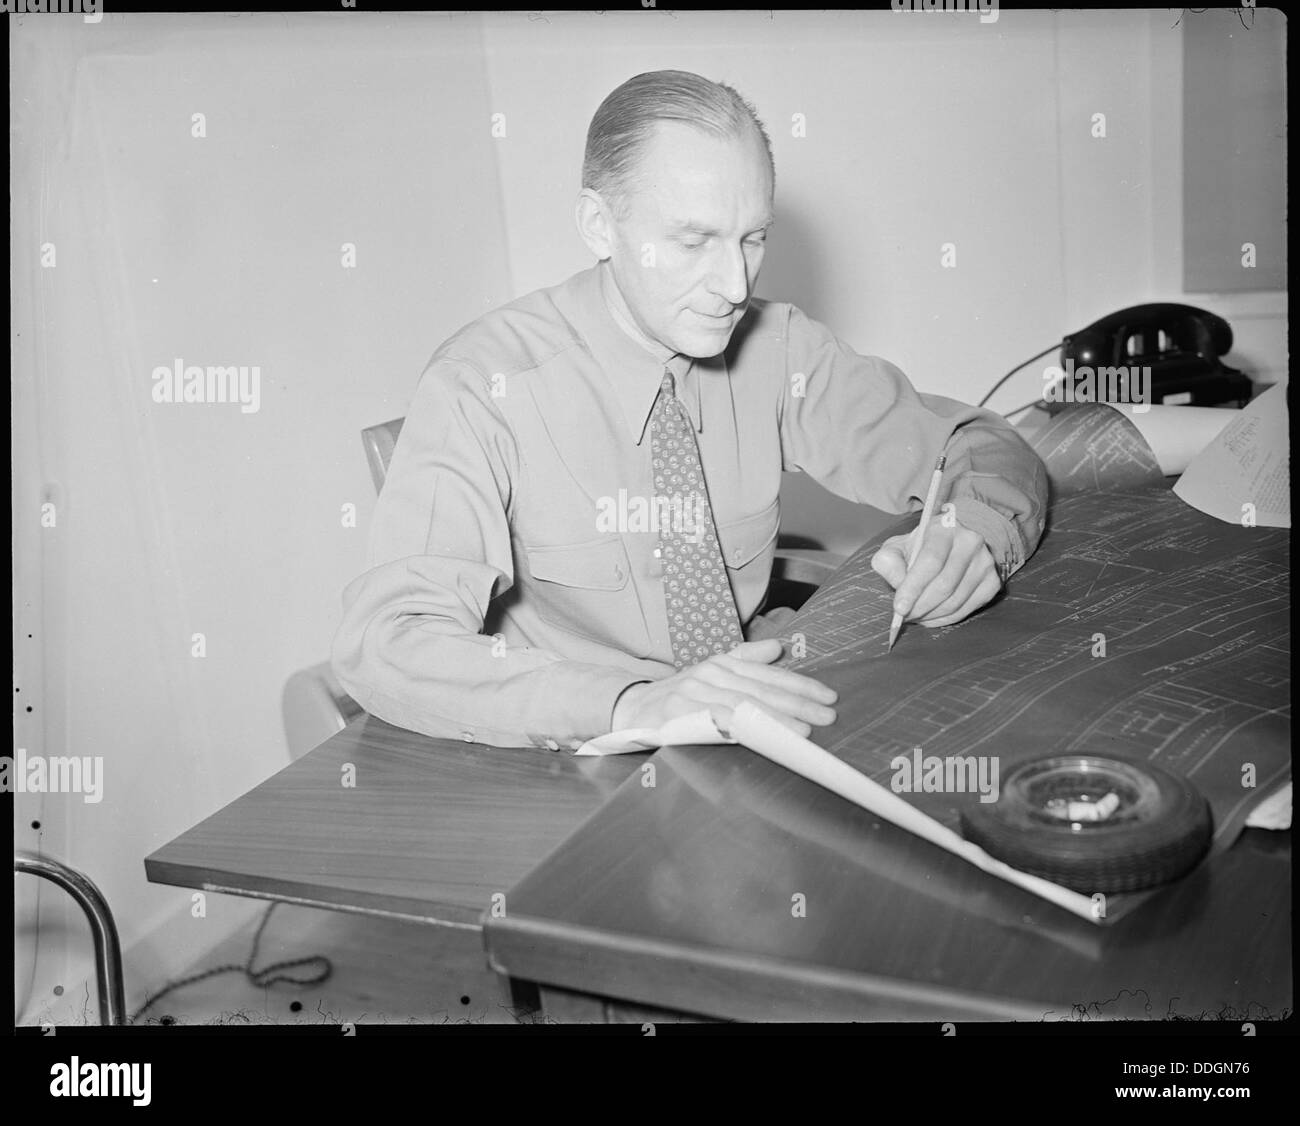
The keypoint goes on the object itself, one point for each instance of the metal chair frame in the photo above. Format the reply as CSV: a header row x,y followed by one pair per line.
x,y
108,948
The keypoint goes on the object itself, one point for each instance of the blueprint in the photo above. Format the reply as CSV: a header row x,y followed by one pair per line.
x,y
1140,627
1092,446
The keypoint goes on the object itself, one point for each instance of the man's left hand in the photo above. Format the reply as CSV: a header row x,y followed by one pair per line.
x,y
953,576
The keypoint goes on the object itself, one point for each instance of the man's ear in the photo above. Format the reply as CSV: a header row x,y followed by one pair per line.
x,y
593,219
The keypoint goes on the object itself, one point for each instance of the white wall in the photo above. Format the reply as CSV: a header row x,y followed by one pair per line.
x,y
1258,319
922,128
183,519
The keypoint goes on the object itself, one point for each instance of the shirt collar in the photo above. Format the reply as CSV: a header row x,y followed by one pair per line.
x,y
633,370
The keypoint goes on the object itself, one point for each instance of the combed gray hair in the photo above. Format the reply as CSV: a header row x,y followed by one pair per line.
x,y
625,121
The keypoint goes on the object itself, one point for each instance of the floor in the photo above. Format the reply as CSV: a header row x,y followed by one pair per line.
x,y
381,971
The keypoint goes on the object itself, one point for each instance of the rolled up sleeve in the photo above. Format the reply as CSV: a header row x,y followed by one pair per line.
x,y
856,425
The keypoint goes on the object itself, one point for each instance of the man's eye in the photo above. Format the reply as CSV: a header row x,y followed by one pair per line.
x,y
692,245
756,242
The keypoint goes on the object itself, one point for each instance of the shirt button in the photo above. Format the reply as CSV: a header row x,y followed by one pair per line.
x,y
552,745
468,736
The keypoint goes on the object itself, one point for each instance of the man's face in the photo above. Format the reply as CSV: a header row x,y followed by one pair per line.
x,y
687,253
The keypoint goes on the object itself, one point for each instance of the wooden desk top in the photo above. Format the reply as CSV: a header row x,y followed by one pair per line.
x,y
431,830
682,896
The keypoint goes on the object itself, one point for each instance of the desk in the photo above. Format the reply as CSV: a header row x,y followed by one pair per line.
x,y
431,830
733,888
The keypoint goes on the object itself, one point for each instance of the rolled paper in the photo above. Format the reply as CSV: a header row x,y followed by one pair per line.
x,y
1175,434
762,734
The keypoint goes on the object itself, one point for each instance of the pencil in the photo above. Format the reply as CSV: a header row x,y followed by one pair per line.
x,y
926,512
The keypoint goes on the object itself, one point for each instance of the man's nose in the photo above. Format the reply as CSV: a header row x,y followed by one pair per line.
x,y
731,279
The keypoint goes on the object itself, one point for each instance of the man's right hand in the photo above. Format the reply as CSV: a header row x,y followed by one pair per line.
x,y
724,681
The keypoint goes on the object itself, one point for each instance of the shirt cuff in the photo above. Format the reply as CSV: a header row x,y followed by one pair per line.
x,y
595,713
1000,533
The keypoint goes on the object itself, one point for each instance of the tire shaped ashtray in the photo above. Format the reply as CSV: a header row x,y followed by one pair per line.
x,y
1093,823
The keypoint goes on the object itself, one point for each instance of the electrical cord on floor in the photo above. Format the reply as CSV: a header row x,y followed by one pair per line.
x,y
263,978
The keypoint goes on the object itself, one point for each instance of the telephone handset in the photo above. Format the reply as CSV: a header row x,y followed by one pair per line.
x,y
1181,344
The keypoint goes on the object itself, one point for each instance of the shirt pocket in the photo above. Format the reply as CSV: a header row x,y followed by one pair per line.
x,y
748,546
586,589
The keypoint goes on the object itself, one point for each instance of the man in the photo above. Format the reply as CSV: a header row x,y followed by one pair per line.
x,y
581,513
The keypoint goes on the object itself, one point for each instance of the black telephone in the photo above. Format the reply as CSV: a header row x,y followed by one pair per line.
x,y
1182,346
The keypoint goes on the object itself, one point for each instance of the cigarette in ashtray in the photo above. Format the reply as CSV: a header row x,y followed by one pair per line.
x,y
1084,810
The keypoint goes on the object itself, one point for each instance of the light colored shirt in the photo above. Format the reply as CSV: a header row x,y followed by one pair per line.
x,y
516,587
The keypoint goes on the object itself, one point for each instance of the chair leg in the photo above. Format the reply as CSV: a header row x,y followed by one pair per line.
x,y
108,949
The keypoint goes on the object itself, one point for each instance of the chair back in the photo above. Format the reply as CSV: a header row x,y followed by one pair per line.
x,y
379,442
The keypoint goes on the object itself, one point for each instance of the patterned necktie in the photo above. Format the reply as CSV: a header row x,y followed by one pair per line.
x,y
702,618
